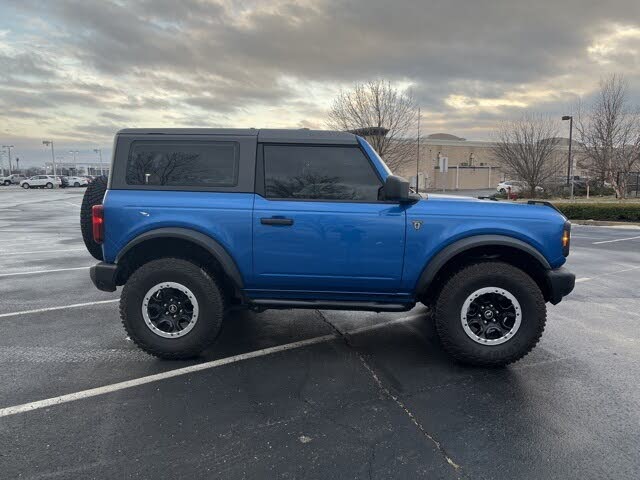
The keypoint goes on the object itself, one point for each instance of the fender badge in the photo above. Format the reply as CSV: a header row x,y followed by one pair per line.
x,y
417,224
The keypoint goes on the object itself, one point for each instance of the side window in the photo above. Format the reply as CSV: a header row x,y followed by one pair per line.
x,y
182,164
319,173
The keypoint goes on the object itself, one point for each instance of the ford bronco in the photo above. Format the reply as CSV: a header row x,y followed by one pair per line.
x,y
195,222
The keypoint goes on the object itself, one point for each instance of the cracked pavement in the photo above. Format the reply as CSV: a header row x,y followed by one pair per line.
x,y
377,399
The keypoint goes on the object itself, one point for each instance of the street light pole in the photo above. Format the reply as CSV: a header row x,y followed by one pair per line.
x,y
75,167
418,157
53,158
99,151
9,147
570,160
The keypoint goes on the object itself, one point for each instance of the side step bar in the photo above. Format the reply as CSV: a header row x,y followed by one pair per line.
x,y
331,305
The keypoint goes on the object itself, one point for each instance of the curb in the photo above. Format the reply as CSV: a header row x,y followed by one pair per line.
x,y
603,223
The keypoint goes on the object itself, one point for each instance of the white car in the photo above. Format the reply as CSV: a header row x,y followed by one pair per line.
x,y
77,181
11,179
515,186
41,181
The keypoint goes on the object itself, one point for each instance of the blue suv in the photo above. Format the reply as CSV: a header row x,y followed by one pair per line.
x,y
195,222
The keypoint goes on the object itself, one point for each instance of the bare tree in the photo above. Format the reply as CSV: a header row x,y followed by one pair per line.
x,y
609,130
387,113
528,149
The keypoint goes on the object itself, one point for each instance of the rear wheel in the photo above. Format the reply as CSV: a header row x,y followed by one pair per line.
x,y
171,308
490,314
7,183
93,195
76,184
49,185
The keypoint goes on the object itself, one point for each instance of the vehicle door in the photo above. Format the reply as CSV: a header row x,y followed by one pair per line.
x,y
318,224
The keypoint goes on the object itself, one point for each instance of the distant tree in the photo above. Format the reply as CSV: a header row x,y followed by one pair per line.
x,y
609,130
527,148
380,108
31,171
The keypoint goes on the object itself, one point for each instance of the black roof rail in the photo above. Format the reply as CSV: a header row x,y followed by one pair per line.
x,y
546,203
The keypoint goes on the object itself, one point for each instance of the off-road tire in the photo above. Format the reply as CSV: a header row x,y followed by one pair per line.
x,y
93,195
489,274
208,295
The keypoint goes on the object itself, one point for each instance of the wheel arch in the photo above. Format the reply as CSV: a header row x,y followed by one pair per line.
x,y
182,243
476,249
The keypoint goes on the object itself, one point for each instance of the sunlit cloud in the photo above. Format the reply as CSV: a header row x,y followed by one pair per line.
x,y
78,70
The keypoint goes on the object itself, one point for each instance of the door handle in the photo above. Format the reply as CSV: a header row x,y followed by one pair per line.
x,y
285,222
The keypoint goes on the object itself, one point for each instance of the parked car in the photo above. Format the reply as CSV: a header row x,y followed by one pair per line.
x,y
13,179
77,181
64,182
515,186
286,219
41,181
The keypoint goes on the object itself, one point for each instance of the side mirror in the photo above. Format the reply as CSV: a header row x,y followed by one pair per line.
x,y
397,189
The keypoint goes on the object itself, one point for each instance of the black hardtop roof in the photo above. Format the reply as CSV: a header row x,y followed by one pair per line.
x,y
264,135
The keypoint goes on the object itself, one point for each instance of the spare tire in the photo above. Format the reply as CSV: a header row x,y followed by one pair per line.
x,y
93,195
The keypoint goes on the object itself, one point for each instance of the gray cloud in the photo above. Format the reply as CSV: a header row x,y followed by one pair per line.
x,y
208,62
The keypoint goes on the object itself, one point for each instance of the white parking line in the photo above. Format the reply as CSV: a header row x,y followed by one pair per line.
x,y
43,271
616,240
114,387
587,279
44,251
51,309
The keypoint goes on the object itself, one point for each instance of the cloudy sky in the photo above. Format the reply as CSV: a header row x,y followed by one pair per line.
x,y
76,71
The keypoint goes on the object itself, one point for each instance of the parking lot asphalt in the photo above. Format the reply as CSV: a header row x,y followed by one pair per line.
x,y
305,394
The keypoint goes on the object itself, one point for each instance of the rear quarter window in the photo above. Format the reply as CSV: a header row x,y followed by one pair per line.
x,y
183,164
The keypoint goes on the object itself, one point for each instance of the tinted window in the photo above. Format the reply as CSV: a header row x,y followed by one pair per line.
x,y
319,173
195,164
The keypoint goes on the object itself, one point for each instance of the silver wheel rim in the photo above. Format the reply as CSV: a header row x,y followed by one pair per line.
x,y
491,316
170,310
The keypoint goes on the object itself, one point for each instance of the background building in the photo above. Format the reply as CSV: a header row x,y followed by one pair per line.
x,y
472,164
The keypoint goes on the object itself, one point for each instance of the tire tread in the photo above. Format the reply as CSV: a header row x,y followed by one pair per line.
x,y
93,195
456,282
178,265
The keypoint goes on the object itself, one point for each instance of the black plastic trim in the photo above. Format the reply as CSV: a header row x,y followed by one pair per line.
x,y
546,204
332,305
103,275
447,253
560,282
212,246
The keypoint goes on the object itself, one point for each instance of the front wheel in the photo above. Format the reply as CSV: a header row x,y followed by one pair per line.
x,y
26,186
76,184
490,314
171,308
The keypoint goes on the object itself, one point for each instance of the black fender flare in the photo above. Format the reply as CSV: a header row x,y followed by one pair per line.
x,y
227,263
440,259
